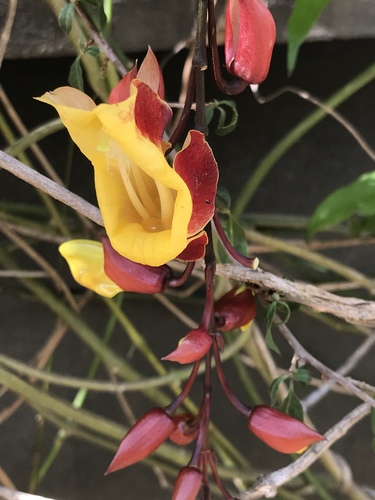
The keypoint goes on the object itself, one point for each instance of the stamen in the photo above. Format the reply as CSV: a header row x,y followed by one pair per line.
x,y
116,156
145,185
166,204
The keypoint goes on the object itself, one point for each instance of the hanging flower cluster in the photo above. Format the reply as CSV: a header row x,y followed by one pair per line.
x,y
154,212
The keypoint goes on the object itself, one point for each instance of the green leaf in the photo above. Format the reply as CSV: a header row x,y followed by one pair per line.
x,y
66,18
209,112
93,51
76,75
95,11
270,342
274,387
302,375
292,405
223,200
236,236
224,128
96,3
269,314
304,15
373,445
356,198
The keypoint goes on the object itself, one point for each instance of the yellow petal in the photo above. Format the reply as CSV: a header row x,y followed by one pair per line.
x,y
86,262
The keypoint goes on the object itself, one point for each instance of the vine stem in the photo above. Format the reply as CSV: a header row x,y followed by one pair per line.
x,y
295,135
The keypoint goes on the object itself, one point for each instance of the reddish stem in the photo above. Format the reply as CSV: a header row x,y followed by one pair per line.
x,y
241,259
181,125
174,282
172,407
235,85
215,473
237,403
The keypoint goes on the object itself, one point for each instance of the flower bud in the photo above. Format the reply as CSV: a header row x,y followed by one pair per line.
x,y
143,438
191,348
235,309
184,432
132,276
250,35
86,262
280,431
188,483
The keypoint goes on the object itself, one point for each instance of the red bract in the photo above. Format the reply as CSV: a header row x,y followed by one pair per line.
x,y
131,276
148,73
235,309
250,35
188,483
280,431
191,348
143,438
184,433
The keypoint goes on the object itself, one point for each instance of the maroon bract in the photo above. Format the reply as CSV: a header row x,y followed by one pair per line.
x,y
188,483
149,73
143,438
280,431
191,348
235,309
131,276
250,35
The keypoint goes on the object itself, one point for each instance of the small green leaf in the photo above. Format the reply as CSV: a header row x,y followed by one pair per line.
x,y
373,445
270,342
283,310
223,200
93,51
269,314
302,375
304,15
224,128
96,3
356,198
95,11
292,405
76,75
66,18
209,111
274,387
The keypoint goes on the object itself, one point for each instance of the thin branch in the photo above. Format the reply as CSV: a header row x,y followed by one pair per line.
x,y
267,485
345,368
304,355
7,494
5,35
100,41
303,94
50,187
353,310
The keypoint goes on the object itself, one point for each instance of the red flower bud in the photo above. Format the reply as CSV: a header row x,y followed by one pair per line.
x,y
132,276
250,35
143,438
188,483
235,309
184,432
280,431
191,348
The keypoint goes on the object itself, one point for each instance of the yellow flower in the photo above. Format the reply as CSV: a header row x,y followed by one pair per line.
x,y
151,212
